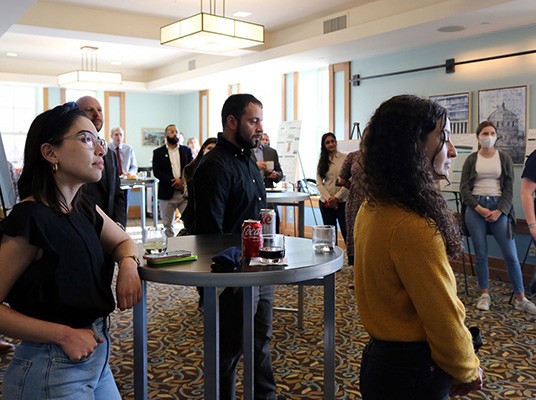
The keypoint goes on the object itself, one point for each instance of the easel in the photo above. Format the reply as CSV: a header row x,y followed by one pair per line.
x,y
356,130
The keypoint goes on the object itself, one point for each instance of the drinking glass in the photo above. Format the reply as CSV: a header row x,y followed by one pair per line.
x,y
272,248
154,240
323,238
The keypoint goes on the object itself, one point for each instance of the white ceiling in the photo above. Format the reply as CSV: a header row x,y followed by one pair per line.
x,y
47,35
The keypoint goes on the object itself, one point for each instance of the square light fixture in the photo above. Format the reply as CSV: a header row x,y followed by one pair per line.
x,y
88,77
210,33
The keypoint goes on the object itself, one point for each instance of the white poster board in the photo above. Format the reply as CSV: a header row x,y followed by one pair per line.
x,y
347,146
288,143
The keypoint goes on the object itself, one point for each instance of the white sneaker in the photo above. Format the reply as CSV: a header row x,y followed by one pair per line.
x,y
484,302
525,306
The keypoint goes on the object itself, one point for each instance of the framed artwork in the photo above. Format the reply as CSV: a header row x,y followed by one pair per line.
x,y
458,106
152,137
507,109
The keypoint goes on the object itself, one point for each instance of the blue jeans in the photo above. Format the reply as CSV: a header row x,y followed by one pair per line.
x,y
44,371
478,230
401,371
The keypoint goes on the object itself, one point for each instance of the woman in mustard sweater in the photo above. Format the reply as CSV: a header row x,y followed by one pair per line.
x,y
405,287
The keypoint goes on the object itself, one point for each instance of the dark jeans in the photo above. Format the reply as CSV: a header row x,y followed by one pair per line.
x,y
231,305
400,370
330,216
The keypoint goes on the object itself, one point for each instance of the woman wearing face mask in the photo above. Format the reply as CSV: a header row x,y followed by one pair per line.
x,y
486,188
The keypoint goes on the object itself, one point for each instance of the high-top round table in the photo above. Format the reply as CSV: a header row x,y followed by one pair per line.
x,y
303,265
296,199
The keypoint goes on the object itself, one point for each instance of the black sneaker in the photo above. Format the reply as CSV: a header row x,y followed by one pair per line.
x,y
280,397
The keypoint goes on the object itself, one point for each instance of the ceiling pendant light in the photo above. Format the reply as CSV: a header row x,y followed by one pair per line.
x,y
211,33
88,77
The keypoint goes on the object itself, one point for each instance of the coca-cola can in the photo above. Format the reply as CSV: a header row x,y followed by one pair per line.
x,y
268,221
251,238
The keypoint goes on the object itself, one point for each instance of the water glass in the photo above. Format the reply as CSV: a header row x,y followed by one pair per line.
x,y
154,240
142,174
323,238
272,250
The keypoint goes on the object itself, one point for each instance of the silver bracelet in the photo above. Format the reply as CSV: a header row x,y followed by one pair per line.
x,y
531,225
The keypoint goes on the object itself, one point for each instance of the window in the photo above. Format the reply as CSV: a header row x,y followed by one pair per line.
x,y
17,111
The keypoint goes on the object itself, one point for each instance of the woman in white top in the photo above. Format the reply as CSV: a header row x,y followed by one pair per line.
x,y
487,191
332,197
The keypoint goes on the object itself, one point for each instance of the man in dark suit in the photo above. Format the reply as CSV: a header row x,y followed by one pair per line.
x,y
169,161
106,193
268,162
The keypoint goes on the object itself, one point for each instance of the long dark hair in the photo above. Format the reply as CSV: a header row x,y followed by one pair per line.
x,y
37,178
396,168
323,163
192,165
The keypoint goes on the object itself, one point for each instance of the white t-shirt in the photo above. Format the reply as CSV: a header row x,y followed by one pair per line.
x,y
487,182
175,159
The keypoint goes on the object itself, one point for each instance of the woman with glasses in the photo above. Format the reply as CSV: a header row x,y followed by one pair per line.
x,y
56,289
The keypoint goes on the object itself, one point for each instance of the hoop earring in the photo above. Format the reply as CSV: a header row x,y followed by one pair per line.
x,y
55,168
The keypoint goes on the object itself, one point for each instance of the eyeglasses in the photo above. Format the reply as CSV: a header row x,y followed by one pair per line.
x,y
89,139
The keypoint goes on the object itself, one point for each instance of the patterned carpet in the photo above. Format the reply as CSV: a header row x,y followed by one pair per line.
x,y
175,345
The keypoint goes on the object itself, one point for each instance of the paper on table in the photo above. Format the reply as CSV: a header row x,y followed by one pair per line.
x,y
256,262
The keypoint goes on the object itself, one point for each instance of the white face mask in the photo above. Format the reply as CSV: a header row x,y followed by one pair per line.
x,y
487,141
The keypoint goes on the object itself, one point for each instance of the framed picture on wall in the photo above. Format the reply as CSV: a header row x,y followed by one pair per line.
x,y
152,137
458,106
507,109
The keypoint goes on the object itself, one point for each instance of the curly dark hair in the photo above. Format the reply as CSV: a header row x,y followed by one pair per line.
x,y
396,168
323,163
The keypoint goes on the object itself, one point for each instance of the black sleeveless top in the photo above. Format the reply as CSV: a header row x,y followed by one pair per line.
x,y
70,284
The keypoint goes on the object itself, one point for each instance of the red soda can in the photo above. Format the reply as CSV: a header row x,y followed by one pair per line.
x,y
251,238
268,221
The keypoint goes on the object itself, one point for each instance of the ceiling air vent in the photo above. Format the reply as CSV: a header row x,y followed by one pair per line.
x,y
191,65
335,24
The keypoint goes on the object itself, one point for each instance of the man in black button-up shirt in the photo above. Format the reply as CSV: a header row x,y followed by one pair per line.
x,y
228,188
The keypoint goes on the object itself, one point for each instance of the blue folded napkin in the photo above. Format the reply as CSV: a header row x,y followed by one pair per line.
x,y
227,261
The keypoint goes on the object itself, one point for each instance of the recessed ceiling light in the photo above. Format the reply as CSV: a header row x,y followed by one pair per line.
x,y
116,63
451,28
241,14
9,54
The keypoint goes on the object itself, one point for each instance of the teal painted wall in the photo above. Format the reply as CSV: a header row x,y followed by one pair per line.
x,y
148,110
467,78
188,122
